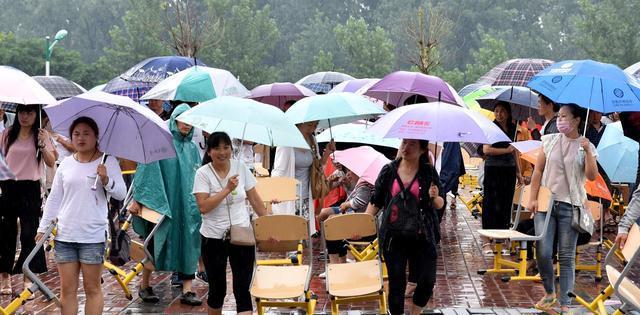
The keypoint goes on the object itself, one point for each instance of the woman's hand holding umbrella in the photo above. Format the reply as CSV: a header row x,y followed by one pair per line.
x,y
102,174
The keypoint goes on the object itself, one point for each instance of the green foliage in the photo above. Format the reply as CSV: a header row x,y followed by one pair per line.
x,y
323,61
492,52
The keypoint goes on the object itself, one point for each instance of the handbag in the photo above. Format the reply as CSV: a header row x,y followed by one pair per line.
x,y
120,243
581,220
319,183
237,235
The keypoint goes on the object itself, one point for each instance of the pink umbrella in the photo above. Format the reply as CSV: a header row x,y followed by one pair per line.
x,y
18,87
277,94
363,161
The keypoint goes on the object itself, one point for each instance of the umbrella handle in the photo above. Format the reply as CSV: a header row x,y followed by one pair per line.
x,y
95,184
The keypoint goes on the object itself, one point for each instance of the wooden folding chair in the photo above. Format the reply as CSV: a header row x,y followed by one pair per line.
x,y
596,211
545,205
352,282
620,284
273,283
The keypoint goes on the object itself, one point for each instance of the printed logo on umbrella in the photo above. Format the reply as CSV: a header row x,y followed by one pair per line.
x,y
618,93
556,79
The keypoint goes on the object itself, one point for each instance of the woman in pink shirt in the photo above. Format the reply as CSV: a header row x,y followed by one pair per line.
x,y
26,148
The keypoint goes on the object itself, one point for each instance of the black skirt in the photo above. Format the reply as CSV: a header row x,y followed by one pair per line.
x,y
499,186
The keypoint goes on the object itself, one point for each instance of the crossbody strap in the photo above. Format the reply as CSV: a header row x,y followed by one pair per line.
x,y
222,186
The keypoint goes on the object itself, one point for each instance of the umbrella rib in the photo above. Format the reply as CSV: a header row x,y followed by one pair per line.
x,y
634,93
144,149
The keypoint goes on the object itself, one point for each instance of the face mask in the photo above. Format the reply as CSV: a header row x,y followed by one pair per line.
x,y
564,126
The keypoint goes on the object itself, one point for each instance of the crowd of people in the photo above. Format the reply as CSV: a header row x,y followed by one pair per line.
x,y
209,188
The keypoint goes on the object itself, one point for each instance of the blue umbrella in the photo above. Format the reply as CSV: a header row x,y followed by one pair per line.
x,y
593,85
156,69
618,155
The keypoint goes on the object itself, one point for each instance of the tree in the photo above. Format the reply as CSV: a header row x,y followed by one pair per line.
x,y
492,53
369,52
192,26
427,33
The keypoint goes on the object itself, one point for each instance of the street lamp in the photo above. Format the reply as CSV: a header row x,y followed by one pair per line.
x,y
48,48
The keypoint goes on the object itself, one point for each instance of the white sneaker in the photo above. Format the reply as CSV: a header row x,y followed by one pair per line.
x,y
323,275
351,261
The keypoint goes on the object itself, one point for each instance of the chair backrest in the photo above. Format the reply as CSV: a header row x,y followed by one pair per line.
x,y
595,208
342,227
280,233
632,244
545,198
281,188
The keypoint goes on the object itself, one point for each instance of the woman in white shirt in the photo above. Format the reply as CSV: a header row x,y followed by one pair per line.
x,y
82,216
221,187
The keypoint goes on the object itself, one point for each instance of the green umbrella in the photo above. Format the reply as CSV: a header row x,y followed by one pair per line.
x,y
470,99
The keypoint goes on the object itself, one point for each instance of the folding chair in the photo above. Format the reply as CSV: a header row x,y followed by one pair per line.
x,y
282,189
620,284
259,170
474,204
352,282
36,283
596,210
545,205
271,284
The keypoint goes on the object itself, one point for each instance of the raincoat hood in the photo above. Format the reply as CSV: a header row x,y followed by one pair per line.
x,y
173,126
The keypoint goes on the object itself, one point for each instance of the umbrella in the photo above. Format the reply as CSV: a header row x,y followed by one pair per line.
x,y
277,94
522,100
5,172
127,130
356,133
618,155
131,89
59,87
395,88
439,122
156,69
197,84
471,97
323,82
634,70
98,87
352,85
19,88
593,85
530,149
363,161
333,109
470,88
245,119
515,72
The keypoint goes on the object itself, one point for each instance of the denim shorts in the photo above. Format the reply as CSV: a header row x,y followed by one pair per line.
x,y
86,253
336,210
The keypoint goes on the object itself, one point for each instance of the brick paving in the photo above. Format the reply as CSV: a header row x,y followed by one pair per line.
x,y
459,289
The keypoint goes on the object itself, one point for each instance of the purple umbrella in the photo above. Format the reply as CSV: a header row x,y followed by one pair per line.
x,y
397,87
277,94
353,85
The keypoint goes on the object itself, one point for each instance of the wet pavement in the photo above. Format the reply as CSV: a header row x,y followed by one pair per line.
x,y
459,289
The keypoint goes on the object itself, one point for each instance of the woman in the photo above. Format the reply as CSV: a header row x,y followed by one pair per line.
x,y
500,173
221,188
296,163
25,148
82,216
422,183
165,187
567,157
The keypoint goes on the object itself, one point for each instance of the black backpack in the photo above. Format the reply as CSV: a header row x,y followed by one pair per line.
x,y
402,215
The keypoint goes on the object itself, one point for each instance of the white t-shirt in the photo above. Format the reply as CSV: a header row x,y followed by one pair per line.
x,y
216,222
81,212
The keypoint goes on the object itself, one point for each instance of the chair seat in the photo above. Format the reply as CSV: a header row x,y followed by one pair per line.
x,y
628,290
502,234
354,279
279,282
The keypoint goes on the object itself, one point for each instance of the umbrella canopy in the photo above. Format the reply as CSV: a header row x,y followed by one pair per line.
x,y
618,155
363,161
594,85
277,94
5,172
131,89
59,87
197,84
19,88
356,133
156,69
333,109
127,130
634,70
352,85
470,88
515,72
524,102
470,99
245,119
439,122
323,82
395,88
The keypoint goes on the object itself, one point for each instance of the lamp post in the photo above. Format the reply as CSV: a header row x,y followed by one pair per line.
x,y
48,48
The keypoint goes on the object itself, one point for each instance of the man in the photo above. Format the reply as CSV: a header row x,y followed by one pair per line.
x,y
157,106
549,110
595,130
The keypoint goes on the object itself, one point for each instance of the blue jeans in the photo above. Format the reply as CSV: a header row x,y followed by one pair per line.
x,y
567,239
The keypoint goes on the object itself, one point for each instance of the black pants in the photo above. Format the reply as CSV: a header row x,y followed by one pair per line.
x,y
20,200
397,253
241,258
499,186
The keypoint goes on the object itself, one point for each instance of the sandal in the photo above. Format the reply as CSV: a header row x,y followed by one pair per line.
x,y
486,249
6,287
546,304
